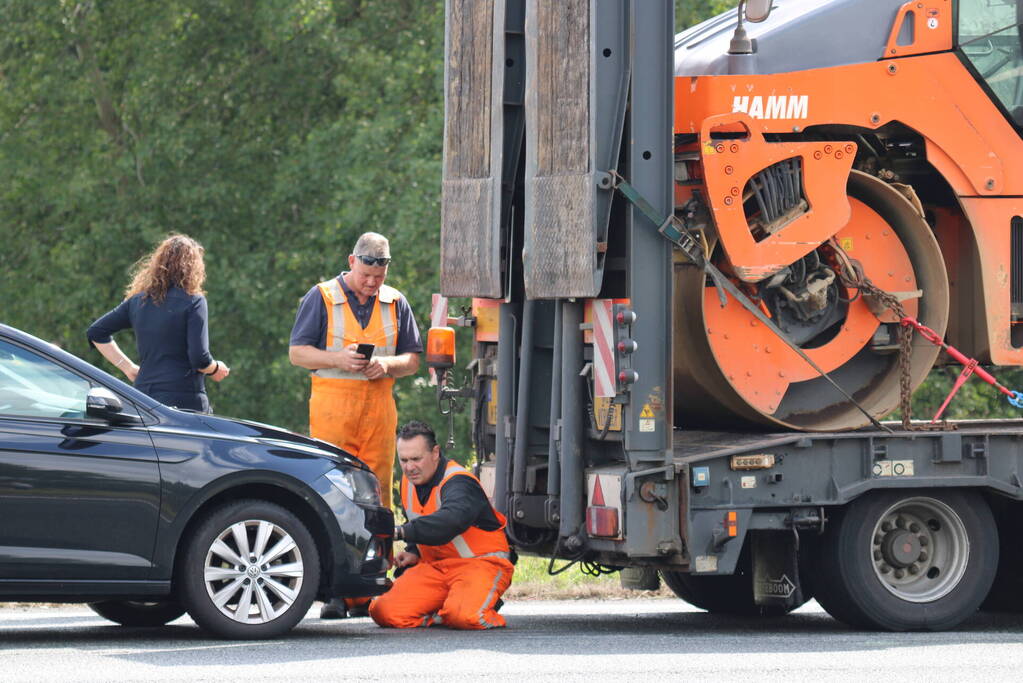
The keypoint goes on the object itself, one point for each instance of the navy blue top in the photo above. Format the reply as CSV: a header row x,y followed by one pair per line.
x,y
311,320
172,339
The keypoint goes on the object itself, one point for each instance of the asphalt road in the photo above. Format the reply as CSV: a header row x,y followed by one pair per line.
x,y
584,640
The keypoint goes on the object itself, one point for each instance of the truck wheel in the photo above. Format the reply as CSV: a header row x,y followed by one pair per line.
x,y
728,594
132,613
250,570
1006,594
901,561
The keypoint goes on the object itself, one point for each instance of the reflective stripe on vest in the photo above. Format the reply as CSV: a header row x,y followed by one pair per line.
x,y
488,543
343,328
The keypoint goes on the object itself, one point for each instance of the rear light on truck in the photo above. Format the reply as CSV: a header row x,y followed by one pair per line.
x,y
602,521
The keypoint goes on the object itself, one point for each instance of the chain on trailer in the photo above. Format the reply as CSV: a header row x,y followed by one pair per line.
x,y
851,274
693,243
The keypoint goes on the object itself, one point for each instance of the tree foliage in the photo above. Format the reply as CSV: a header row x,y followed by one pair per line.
x,y
691,12
273,131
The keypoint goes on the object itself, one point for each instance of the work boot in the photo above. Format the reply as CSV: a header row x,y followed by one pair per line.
x,y
359,610
357,607
334,609
498,605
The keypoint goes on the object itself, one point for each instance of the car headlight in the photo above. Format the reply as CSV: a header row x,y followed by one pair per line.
x,y
358,485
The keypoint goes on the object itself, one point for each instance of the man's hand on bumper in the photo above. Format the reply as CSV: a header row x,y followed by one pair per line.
x,y
405,559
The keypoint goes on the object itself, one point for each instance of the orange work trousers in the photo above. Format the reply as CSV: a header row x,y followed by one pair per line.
x,y
360,417
457,593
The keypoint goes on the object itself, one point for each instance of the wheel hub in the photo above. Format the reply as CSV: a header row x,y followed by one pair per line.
x,y
804,301
920,549
254,571
901,548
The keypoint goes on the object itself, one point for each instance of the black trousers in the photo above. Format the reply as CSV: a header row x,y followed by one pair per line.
x,y
197,401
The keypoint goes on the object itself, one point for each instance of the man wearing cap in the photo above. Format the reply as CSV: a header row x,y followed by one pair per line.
x,y
456,561
351,402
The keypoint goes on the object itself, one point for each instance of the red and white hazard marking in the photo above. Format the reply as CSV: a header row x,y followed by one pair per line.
x,y
603,349
604,508
439,311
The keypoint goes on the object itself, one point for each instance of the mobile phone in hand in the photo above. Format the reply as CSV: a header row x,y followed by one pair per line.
x,y
366,350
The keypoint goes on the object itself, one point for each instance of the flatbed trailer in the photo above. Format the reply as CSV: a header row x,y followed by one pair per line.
x,y
560,159
786,481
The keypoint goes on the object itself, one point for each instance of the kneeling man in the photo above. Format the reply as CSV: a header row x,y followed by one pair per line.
x,y
457,558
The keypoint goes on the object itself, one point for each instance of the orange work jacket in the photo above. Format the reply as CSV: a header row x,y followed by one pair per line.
x,y
473,542
344,329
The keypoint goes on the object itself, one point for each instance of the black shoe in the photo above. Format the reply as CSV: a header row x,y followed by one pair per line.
x,y
359,610
498,605
334,609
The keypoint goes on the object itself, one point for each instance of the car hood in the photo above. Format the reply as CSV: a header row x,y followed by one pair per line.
x,y
248,429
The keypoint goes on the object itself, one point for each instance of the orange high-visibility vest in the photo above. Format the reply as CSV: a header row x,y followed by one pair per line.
x,y
343,328
473,542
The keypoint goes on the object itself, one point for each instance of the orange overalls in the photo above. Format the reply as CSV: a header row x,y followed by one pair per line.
x,y
456,584
347,409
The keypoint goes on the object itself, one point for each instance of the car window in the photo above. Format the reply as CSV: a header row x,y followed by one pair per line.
x,y
33,386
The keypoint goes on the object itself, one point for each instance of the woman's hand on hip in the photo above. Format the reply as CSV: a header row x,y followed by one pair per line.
x,y
221,372
131,371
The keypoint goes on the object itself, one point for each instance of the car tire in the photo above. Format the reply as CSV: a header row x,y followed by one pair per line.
x,y
250,570
137,613
908,560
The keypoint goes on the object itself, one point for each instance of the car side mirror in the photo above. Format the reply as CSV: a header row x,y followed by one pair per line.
x,y
103,404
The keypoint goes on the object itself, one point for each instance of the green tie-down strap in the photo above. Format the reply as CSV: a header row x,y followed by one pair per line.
x,y
676,232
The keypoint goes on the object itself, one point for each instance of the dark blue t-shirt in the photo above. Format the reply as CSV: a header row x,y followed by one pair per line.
x,y
310,327
172,339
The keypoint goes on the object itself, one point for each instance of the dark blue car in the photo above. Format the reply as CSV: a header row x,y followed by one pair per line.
x,y
145,512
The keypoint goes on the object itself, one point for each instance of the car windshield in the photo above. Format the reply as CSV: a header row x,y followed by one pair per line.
x,y
989,36
33,386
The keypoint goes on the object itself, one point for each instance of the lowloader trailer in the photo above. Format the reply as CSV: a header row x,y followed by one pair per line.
x,y
704,268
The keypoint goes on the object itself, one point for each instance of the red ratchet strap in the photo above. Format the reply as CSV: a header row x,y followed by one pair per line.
x,y
970,367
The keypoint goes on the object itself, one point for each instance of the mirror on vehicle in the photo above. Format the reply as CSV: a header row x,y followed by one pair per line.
x,y
103,403
757,10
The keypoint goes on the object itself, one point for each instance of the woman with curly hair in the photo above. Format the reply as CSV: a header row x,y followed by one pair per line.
x,y
166,306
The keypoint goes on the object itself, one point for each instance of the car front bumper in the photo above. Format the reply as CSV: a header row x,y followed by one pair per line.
x,y
361,546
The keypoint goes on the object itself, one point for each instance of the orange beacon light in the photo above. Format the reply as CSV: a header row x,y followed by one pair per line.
x,y
440,348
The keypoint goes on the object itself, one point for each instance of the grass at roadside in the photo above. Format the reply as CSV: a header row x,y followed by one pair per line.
x,y
532,582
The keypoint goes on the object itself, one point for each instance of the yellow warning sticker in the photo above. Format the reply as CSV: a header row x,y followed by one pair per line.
x,y
492,404
646,412
601,406
846,243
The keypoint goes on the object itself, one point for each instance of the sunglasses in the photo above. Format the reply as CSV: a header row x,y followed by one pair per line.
x,y
374,260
